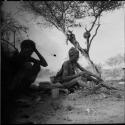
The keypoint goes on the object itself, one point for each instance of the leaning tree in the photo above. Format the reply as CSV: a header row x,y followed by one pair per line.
x,y
62,15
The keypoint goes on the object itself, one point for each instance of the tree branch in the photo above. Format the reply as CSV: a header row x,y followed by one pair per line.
x,y
51,11
68,5
63,15
93,24
93,10
96,17
53,23
93,36
88,45
9,44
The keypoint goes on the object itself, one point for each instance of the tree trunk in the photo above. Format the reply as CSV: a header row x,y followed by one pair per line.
x,y
93,66
84,52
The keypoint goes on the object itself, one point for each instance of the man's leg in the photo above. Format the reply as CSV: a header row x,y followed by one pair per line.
x,y
83,82
17,81
33,72
77,81
25,77
56,85
30,76
70,83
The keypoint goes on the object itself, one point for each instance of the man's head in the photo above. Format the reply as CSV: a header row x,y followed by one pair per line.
x,y
27,47
73,54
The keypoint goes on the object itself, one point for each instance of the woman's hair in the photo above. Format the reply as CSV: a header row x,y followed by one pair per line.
x,y
73,51
28,44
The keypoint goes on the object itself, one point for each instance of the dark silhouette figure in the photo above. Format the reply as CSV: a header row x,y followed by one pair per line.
x,y
26,67
18,73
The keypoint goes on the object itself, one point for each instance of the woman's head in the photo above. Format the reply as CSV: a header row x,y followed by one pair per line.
x,y
73,54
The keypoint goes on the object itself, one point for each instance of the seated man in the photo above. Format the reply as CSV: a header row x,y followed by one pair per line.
x,y
26,68
67,76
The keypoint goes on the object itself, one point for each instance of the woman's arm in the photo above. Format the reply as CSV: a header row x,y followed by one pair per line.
x,y
85,71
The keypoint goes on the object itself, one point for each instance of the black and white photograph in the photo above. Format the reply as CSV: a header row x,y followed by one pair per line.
x,y
62,62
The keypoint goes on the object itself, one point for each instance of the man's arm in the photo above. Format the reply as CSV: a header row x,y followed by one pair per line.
x,y
42,60
65,75
84,70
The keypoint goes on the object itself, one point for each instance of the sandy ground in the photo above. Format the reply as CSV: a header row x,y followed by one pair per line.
x,y
78,107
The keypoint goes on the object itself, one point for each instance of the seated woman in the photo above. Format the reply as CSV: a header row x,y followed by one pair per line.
x,y
67,76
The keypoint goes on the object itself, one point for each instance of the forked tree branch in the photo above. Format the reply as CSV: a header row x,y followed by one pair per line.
x,y
94,35
96,17
93,24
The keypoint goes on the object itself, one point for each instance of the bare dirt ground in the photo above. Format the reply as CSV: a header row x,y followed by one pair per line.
x,y
78,107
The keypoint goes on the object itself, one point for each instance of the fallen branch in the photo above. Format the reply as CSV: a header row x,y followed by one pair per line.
x,y
98,81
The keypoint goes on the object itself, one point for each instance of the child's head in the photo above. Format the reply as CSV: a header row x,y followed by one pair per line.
x,y
27,47
28,44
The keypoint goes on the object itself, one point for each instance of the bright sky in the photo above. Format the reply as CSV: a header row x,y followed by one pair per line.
x,y
108,42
